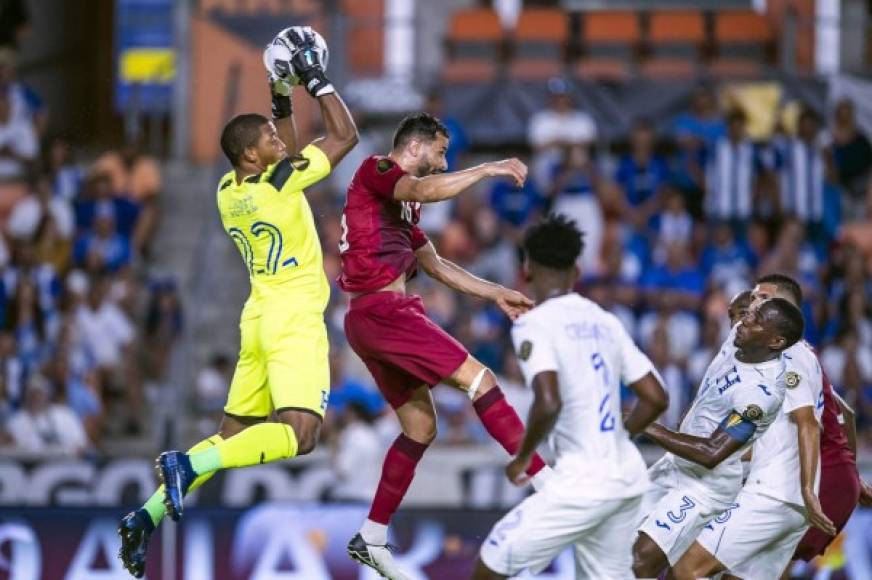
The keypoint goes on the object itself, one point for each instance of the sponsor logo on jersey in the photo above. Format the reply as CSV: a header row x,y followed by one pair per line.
x,y
526,350
753,413
792,379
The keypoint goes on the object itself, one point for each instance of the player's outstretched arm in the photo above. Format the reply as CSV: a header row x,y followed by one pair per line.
x,y
442,186
706,451
808,433
341,131
543,414
306,61
512,302
652,401
283,111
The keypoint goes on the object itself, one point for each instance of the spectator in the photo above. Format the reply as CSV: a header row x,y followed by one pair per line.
x,y
210,388
44,427
137,177
67,177
695,133
803,172
852,154
12,371
674,381
726,261
18,148
574,194
163,324
730,174
515,206
40,209
104,248
97,199
554,128
498,257
641,173
357,456
107,335
704,353
848,363
674,224
25,103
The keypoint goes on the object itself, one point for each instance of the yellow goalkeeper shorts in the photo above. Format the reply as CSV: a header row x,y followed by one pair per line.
x,y
283,364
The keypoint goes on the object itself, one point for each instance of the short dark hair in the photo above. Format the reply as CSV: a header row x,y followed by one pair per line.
x,y
785,283
420,125
787,319
240,133
555,242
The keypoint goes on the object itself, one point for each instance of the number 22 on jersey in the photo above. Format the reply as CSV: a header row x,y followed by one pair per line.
x,y
252,254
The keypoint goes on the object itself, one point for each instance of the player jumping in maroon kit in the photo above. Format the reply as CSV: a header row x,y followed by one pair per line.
x,y
407,353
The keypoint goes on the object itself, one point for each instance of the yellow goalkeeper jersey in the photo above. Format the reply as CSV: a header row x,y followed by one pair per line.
x,y
269,219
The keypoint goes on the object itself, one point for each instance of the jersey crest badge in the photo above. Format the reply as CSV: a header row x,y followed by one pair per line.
x,y
753,413
526,350
792,379
383,165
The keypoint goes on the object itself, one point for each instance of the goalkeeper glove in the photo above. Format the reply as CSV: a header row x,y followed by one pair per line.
x,y
307,62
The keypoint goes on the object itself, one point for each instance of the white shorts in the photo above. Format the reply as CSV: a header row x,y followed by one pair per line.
x,y
756,539
531,535
674,517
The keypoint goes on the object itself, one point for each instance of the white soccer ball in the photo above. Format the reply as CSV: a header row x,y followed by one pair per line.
x,y
280,49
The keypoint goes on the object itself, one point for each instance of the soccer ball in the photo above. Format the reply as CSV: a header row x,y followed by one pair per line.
x,y
280,49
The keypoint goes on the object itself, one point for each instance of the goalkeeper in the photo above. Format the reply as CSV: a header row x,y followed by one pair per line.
x,y
283,365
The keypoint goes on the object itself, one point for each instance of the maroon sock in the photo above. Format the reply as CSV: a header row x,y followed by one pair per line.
x,y
398,471
504,425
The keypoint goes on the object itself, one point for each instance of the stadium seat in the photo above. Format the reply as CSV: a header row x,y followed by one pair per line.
x,y
743,42
474,42
610,41
675,40
540,39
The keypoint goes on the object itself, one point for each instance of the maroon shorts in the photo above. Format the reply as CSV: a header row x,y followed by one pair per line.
x,y
839,494
400,346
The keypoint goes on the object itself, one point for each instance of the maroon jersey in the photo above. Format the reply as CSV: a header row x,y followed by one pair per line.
x,y
834,442
379,233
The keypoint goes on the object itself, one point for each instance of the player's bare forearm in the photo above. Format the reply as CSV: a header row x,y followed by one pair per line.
x,y
287,131
341,131
652,401
543,413
439,187
849,422
708,452
453,276
442,186
808,435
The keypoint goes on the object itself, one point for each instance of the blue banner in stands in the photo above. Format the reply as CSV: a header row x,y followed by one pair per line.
x,y
145,56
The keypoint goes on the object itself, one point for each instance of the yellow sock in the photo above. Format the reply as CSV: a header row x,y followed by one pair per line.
x,y
155,507
261,443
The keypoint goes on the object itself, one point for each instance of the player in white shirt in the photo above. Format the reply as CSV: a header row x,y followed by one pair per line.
x,y
574,356
701,475
757,538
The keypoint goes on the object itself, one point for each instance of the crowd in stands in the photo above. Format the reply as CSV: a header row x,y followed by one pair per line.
x,y
83,327
676,224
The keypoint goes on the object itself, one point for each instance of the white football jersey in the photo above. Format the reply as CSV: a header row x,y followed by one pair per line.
x,y
775,463
754,391
592,353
